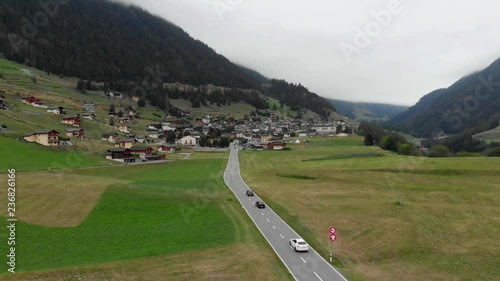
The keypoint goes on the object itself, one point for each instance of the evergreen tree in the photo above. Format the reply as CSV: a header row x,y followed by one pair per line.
x,y
112,110
368,139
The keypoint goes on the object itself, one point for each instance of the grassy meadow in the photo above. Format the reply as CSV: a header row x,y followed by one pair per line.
x,y
173,221
24,156
398,218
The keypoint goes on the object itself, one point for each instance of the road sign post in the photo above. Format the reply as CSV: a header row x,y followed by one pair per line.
x,y
332,235
332,230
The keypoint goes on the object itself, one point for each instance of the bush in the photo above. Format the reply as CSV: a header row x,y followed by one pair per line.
x,y
469,154
389,143
408,149
4,126
440,151
495,152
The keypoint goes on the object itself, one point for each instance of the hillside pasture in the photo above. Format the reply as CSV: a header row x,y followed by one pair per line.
x,y
398,218
25,156
489,136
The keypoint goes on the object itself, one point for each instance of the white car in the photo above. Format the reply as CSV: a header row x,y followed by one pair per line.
x,y
299,245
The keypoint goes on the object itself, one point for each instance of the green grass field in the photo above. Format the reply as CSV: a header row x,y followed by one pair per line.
x,y
208,155
398,218
143,218
25,156
174,211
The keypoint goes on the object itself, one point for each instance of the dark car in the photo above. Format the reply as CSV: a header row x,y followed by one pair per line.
x,y
260,205
249,193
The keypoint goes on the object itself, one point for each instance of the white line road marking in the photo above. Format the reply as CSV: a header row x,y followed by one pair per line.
x,y
267,220
236,173
274,227
303,259
261,213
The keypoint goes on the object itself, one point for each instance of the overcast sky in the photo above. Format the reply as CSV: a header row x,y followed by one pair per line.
x,y
387,51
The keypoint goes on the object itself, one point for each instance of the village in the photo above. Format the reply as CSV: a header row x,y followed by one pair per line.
x,y
130,144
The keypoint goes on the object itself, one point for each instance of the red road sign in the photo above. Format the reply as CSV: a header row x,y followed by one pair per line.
x,y
333,230
333,237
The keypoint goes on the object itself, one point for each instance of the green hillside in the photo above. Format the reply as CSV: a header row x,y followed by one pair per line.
x,y
470,104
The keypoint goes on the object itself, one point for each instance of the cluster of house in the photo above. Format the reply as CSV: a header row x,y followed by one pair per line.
x,y
131,148
272,131
156,131
127,117
263,133
59,110
133,154
267,134
52,137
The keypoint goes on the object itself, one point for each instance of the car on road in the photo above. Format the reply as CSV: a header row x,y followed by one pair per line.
x,y
260,205
249,193
299,245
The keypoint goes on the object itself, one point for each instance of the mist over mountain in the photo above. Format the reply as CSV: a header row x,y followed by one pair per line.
x,y
125,46
106,41
472,103
367,111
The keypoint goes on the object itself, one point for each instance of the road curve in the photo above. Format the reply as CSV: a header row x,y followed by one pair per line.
x,y
303,266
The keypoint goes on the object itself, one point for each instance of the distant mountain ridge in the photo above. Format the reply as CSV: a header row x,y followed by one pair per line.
x,y
125,46
367,111
471,103
119,42
255,74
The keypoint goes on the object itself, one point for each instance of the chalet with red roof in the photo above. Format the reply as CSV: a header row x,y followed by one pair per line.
x,y
73,120
167,148
120,154
32,101
75,133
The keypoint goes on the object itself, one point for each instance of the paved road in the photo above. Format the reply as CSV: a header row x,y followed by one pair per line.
x,y
303,266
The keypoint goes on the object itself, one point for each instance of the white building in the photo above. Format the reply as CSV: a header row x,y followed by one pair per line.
x,y
187,140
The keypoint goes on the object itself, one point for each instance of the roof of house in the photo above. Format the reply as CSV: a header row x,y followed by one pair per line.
x,y
115,149
127,140
74,130
40,132
106,135
139,148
